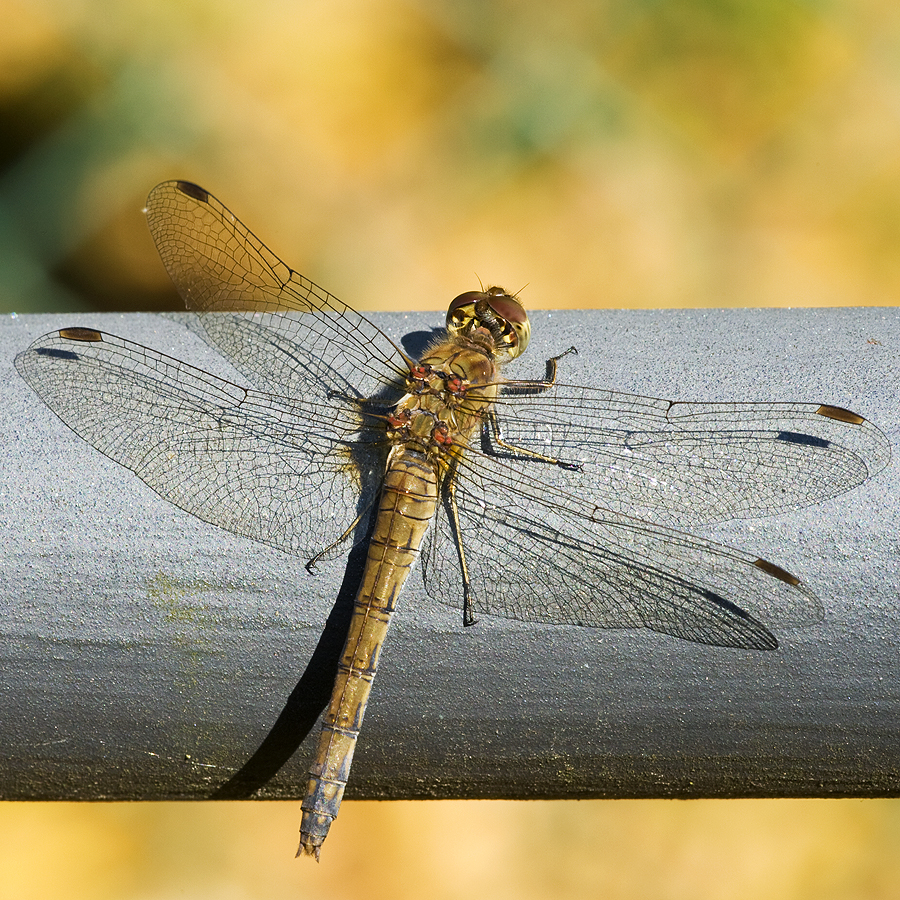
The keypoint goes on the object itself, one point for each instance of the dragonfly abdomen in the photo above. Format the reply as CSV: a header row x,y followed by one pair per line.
x,y
408,503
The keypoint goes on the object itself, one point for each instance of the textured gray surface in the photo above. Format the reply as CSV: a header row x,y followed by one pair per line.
x,y
148,655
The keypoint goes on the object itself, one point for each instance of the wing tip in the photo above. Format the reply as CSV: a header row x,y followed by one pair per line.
x,y
777,572
88,335
839,414
194,191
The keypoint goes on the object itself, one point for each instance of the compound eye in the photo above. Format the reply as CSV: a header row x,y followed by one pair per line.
x,y
469,298
507,307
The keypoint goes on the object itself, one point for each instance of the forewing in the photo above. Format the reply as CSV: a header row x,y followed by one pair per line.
x,y
291,473
690,463
539,556
298,331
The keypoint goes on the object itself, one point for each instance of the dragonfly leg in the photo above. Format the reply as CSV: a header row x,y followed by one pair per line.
x,y
550,380
365,405
536,386
327,551
531,387
468,615
497,435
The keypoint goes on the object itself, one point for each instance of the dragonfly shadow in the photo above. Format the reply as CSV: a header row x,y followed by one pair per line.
x,y
313,691
415,343
309,697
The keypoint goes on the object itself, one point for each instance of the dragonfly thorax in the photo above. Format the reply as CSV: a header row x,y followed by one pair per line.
x,y
448,393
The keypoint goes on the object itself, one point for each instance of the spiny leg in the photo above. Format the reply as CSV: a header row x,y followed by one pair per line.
x,y
524,451
468,615
550,379
536,387
312,563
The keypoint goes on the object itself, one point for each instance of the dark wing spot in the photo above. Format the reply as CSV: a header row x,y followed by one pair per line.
x,y
763,638
842,415
193,190
794,437
80,334
776,572
55,354
726,604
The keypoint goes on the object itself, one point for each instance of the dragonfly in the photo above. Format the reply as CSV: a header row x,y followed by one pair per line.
x,y
533,500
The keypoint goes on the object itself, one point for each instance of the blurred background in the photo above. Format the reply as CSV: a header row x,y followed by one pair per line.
x,y
614,153
608,153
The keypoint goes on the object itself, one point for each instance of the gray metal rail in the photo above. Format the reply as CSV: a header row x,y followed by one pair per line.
x,y
147,655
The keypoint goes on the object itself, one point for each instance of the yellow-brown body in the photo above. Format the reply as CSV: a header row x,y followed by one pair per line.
x,y
449,392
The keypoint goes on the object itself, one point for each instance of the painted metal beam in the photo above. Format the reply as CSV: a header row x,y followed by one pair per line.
x,y
147,655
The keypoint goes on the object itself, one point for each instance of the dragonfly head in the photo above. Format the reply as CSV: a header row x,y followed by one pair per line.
x,y
495,313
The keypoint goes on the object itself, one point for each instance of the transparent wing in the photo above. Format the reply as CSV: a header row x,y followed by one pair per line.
x,y
689,463
299,330
538,555
289,472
